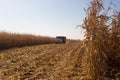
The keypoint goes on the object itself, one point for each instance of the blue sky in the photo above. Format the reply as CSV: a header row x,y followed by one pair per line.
x,y
43,17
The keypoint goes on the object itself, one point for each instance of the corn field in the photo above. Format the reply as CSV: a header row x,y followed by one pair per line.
x,y
102,43
97,57
10,40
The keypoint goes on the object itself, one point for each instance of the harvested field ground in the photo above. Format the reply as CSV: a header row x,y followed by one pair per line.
x,y
42,62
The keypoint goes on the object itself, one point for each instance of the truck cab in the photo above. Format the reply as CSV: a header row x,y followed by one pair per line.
x,y
60,39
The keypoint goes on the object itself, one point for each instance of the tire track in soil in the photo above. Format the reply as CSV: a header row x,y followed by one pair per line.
x,y
64,68
51,61
78,68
